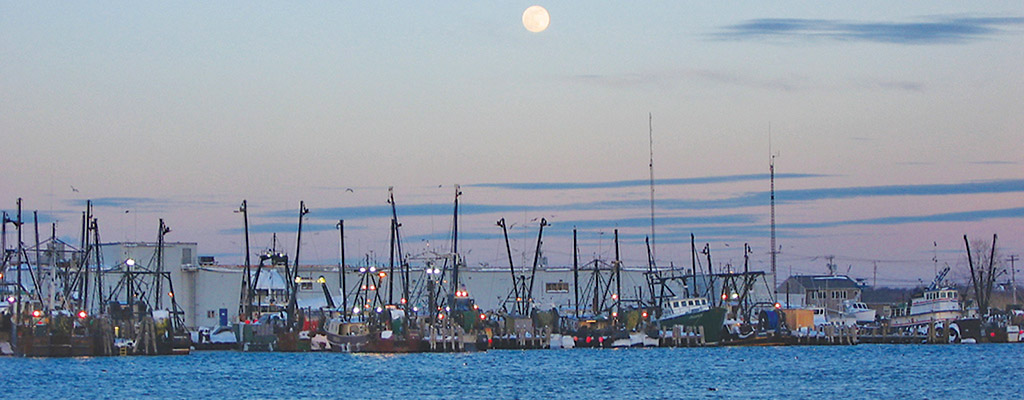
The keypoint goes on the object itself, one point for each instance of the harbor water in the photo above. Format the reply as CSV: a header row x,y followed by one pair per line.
x,y
863,371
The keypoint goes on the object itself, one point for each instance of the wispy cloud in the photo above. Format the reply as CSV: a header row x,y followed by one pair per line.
x,y
965,216
993,162
638,182
752,199
934,30
148,204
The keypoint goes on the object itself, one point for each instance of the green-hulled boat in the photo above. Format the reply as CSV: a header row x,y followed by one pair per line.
x,y
693,312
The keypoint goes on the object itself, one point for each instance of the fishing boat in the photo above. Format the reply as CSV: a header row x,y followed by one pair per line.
x,y
694,312
858,312
934,303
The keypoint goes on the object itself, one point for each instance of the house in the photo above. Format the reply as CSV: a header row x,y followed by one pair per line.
x,y
827,291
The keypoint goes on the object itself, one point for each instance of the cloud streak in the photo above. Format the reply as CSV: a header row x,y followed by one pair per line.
x,y
935,30
753,199
965,216
638,182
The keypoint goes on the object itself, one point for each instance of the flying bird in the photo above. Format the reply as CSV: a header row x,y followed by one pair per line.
x,y
73,189
349,190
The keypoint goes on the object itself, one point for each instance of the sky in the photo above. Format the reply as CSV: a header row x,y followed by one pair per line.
x,y
895,128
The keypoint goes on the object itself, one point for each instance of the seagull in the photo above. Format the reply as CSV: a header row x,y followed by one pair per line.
x,y
73,189
349,190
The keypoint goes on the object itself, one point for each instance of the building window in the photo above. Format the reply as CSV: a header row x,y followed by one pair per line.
x,y
186,256
211,314
306,285
557,287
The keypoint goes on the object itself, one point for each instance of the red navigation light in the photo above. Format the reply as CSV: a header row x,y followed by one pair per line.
x,y
37,313
483,317
992,334
82,314
440,316
778,306
644,314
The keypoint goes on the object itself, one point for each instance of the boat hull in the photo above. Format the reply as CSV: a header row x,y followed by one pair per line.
x,y
711,320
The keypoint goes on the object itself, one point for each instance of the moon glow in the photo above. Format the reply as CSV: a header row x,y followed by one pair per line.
x,y
536,19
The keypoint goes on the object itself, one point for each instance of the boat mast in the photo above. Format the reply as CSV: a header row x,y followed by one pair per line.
x,y
650,139
536,258
693,266
511,267
101,306
774,251
575,274
159,263
291,276
455,250
247,287
341,270
618,276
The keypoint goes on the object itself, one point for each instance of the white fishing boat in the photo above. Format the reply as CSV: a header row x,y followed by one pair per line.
x,y
935,303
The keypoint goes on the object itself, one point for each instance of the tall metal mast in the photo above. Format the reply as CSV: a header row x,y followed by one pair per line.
x,y
341,270
455,250
18,309
247,282
160,263
575,274
650,134
391,258
294,274
775,250
618,276
511,267
536,257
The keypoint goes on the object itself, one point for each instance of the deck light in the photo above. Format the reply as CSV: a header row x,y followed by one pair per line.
x,y
129,262
321,279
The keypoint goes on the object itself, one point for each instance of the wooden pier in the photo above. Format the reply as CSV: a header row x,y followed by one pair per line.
x,y
683,336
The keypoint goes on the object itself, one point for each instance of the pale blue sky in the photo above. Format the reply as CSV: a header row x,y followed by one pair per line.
x,y
896,125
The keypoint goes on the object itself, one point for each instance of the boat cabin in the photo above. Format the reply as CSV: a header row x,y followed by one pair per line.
x,y
681,306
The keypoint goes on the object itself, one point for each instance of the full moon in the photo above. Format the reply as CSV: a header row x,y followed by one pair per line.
x,y
536,19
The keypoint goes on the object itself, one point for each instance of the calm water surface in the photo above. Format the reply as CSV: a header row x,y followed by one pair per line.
x,y
863,371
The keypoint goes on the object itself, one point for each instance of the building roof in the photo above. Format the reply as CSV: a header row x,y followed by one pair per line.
x,y
820,282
